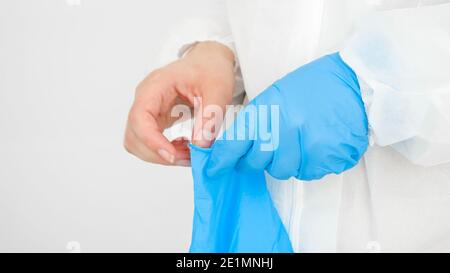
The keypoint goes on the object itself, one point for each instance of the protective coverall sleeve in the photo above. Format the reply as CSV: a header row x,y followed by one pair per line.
x,y
402,60
234,212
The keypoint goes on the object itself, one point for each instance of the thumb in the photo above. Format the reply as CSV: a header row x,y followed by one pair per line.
x,y
209,114
232,145
242,137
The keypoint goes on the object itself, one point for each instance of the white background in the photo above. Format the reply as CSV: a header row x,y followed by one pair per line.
x,y
67,78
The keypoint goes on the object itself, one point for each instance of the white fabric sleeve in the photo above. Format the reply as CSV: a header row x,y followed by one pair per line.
x,y
210,25
402,58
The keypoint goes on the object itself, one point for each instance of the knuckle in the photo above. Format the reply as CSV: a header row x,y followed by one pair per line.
x,y
156,75
133,116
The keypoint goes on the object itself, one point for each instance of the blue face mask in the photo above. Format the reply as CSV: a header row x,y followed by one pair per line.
x,y
234,212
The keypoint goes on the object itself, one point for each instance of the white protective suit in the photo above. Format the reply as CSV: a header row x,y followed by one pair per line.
x,y
398,197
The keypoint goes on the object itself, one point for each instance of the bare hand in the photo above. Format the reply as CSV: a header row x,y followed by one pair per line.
x,y
205,72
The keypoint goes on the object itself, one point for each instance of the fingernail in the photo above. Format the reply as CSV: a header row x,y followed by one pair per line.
x,y
166,155
183,163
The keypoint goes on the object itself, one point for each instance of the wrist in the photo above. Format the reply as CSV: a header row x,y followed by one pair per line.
x,y
211,49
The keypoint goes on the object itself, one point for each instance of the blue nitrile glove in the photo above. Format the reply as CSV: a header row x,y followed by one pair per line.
x,y
322,125
233,212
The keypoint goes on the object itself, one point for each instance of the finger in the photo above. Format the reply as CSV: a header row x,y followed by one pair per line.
x,y
145,128
286,154
232,145
135,147
209,115
255,158
281,159
183,153
260,155
225,155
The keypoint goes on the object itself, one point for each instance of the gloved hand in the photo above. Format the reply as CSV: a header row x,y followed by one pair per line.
x,y
322,125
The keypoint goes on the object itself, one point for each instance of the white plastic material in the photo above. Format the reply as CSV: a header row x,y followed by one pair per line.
x,y
403,58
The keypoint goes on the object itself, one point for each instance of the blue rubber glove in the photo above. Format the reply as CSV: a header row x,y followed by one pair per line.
x,y
233,213
321,120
